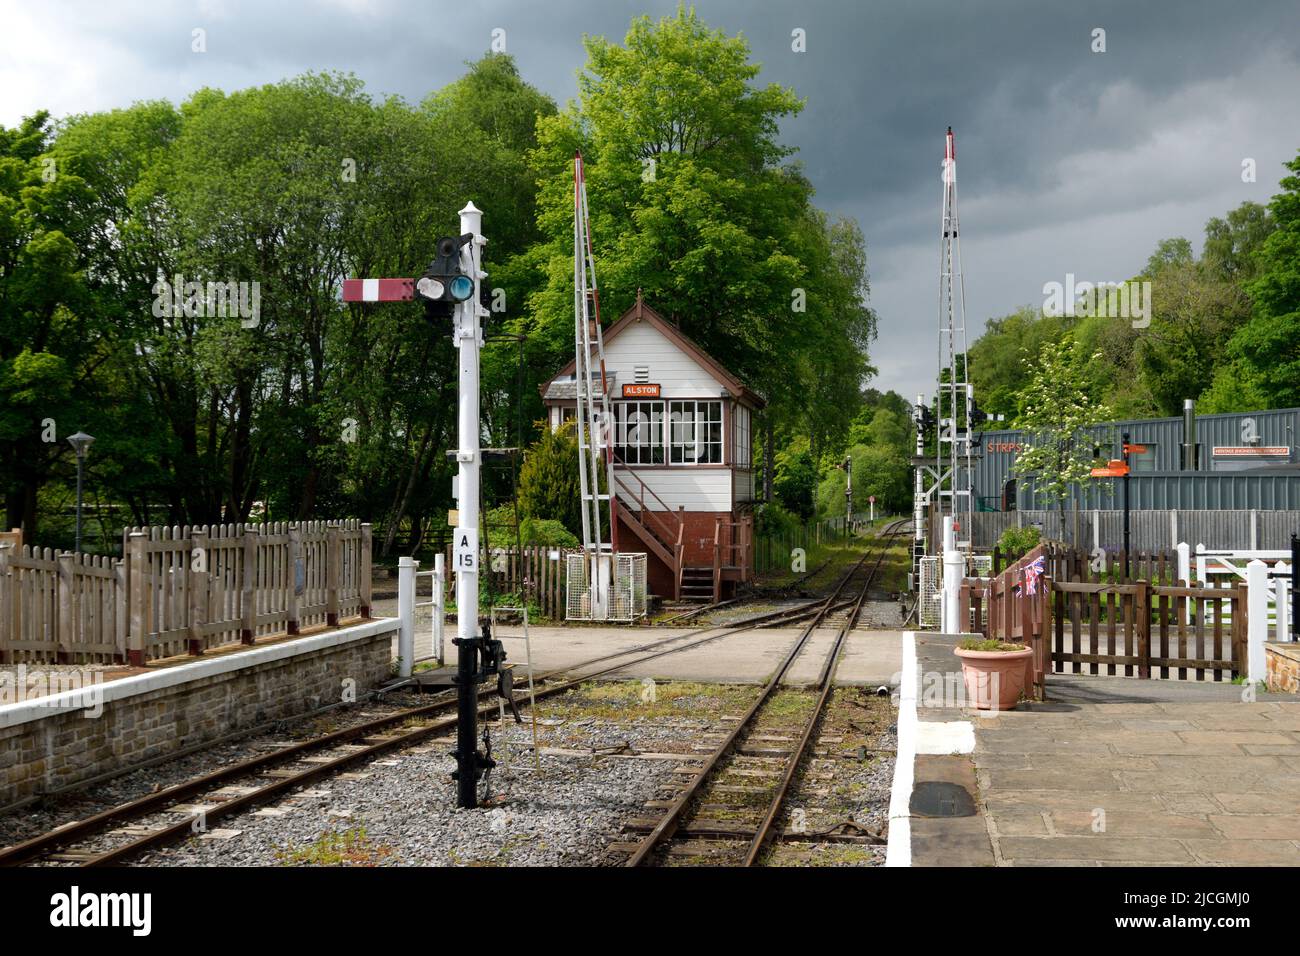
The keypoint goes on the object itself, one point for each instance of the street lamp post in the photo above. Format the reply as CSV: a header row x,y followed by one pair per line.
x,y
80,443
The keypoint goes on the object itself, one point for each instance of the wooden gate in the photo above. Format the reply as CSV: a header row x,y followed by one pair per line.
x,y
1106,622
1139,627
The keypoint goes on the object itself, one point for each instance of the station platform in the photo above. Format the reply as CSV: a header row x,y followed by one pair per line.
x,y
1109,771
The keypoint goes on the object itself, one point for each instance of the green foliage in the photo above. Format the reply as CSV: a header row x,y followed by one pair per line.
x,y
1017,542
795,481
1194,314
533,532
773,519
549,481
694,204
324,408
997,366
1231,243
546,532
881,469
1268,346
989,644
295,186
1055,412
1221,327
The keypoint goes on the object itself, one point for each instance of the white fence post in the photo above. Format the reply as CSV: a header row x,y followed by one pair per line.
x,y
1184,563
406,568
439,603
1256,619
954,567
1282,590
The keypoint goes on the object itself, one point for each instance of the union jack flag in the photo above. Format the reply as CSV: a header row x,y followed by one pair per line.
x,y
1033,571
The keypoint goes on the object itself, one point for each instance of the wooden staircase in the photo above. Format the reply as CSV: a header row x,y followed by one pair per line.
x,y
661,530
697,585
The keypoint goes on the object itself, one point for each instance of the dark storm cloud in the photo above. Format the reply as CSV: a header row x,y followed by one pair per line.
x,y
1068,160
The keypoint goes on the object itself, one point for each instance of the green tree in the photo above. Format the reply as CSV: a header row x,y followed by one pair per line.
x,y
56,329
1194,313
548,479
1268,346
1231,242
997,367
795,482
1169,252
694,204
1055,412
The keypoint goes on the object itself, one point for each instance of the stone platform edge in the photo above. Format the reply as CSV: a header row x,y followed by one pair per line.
x,y
79,737
126,687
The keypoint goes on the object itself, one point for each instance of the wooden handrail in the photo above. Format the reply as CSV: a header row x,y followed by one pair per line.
x,y
638,495
717,559
680,553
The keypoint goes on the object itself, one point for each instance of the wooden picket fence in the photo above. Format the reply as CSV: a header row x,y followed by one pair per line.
x,y
182,590
61,608
536,572
1089,616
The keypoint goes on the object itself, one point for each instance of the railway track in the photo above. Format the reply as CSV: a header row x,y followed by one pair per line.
x,y
685,827
169,815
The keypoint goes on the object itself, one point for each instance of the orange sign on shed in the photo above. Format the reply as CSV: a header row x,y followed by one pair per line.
x,y
640,390
1114,469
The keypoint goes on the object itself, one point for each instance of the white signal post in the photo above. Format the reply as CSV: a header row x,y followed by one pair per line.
x,y
469,343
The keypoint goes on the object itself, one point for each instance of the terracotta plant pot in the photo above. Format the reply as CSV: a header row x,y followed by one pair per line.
x,y
994,679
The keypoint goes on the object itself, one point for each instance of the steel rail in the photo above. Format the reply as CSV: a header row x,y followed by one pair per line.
x,y
79,830
671,820
826,683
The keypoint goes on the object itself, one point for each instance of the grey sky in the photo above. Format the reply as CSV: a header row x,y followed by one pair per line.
x,y
1068,160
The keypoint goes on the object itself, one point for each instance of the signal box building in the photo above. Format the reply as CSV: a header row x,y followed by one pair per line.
x,y
684,469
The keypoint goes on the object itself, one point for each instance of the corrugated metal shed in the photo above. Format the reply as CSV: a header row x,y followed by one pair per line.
x,y
1190,491
1212,486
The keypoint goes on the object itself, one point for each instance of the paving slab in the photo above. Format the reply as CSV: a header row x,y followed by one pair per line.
x,y
1141,850
1117,771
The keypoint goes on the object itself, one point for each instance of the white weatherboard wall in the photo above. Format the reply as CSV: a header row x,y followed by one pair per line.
x,y
677,374
689,486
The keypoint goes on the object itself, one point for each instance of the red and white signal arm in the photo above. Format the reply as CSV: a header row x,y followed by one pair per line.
x,y
378,290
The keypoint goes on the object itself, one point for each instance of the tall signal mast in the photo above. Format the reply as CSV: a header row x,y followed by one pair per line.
x,y
954,459
947,487
594,423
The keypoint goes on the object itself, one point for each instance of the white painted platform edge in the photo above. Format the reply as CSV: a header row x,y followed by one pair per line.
x,y
898,850
74,700
945,737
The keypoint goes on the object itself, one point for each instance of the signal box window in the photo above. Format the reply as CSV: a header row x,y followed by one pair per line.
x,y
695,433
639,432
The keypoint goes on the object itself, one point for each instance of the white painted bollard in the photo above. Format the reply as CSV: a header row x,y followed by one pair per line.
x,y
439,603
406,568
954,568
1256,619
1282,600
